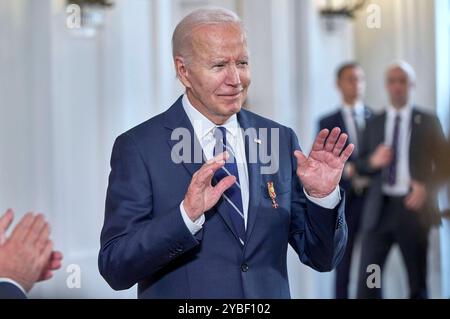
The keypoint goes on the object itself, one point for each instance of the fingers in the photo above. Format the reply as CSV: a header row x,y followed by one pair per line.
x,y
347,153
36,228
46,253
48,274
41,240
5,222
54,263
340,144
221,157
223,185
411,202
332,139
417,197
22,229
385,151
301,158
57,255
320,140
204,176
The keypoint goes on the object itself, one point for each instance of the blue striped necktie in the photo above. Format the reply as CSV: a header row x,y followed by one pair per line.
x,y
232,196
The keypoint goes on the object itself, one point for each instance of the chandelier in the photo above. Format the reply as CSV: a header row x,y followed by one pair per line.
x,y
332,10
91,15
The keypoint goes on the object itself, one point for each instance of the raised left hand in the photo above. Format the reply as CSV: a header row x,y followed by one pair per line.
x,y
321,171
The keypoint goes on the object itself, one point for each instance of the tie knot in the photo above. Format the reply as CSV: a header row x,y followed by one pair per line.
x,y
220,134
397,118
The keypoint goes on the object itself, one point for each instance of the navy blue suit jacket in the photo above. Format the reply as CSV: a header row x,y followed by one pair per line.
x,y
10,291
145,240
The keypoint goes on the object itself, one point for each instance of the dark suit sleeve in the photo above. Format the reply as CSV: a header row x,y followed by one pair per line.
x,y
318,235
440,154
134,243
10,291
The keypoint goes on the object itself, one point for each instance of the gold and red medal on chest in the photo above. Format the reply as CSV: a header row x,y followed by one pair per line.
x,y
272,194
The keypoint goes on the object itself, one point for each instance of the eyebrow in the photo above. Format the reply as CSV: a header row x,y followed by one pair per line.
x,y
225,60
219,60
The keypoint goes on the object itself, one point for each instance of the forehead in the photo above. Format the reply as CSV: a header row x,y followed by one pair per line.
x,y
352,71
219,40
396,73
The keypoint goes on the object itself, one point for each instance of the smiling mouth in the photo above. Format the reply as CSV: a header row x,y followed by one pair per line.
x,y
235,95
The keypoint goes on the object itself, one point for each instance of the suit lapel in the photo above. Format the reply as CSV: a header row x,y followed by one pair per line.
x,y
414,145
340,122
381,129
367,113
177,118
254,169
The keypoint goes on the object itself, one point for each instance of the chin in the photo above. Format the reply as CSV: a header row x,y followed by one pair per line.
x,y
232,108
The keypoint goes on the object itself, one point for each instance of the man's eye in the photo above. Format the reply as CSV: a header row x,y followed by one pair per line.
x,y
243,63
219,66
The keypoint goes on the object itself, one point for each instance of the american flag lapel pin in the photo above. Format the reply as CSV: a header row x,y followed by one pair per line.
x,y
272,194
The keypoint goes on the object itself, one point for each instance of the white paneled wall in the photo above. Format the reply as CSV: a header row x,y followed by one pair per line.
x,y
70,97
442,39
407,32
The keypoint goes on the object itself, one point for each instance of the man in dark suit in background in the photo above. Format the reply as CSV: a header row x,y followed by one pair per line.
x,y
218,225
351,118
446,212
26,257
403,150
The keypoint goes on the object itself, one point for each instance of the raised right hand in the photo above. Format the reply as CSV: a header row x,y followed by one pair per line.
x,y
201,196
382,157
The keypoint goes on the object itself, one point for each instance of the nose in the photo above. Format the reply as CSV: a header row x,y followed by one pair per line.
x,y
233,77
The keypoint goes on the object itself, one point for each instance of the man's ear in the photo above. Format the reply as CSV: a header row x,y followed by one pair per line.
x,y
182,71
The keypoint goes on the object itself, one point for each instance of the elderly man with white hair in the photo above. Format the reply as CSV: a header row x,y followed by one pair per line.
x,y
207,216
403,149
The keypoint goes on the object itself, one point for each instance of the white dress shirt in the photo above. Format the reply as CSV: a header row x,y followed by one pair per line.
x,y
204,130
403,176
349,122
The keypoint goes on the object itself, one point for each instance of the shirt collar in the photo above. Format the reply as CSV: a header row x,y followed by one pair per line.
x,y
202,125
403,112
358,108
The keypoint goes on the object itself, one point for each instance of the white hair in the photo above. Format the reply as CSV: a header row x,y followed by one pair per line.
x,y
405,67
182,36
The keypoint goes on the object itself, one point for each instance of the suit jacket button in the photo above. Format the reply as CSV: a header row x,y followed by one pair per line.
x,y
244,267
